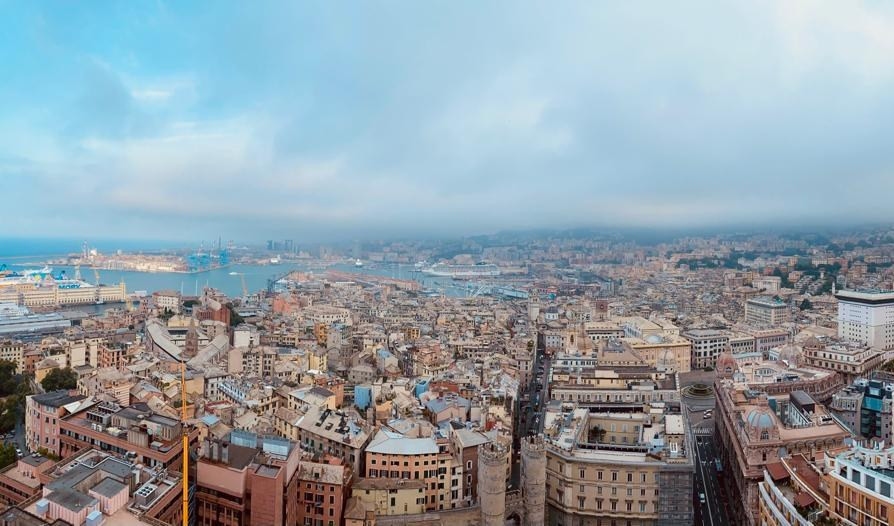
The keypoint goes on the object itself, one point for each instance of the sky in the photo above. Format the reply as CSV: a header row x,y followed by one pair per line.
x,y
355,120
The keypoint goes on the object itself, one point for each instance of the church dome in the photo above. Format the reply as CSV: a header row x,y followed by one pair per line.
x,y
726,364
666,360
760,419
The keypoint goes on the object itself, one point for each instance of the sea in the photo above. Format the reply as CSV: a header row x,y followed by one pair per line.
x,y
20,254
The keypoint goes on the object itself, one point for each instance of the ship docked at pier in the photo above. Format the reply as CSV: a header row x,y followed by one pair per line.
x,y
478,270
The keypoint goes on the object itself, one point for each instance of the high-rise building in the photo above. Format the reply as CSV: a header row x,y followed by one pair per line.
x,y
767,311
866,316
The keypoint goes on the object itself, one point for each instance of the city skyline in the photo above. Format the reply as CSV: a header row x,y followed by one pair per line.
x,y
383,121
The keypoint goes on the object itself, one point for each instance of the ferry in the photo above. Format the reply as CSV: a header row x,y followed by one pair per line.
x,y
463,271
358,263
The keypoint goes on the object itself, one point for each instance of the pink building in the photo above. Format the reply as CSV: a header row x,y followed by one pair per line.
x,y
42,415
111,494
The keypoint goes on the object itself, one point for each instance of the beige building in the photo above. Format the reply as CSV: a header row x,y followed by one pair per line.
x,y
591,479
662,351
13,351
859,483
387,497
767,311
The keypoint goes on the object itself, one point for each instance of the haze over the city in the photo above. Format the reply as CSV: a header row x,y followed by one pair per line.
x,y
354,120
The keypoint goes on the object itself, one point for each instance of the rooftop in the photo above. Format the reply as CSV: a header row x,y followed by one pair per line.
x,y
391,443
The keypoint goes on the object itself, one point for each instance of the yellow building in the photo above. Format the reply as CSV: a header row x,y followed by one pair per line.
x,y
390,496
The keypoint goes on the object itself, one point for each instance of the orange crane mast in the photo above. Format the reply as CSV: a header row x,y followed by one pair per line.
x,y
185,433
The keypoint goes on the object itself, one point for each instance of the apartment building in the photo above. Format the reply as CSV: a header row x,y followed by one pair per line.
x,y
393,455
43,414
323,489
859,482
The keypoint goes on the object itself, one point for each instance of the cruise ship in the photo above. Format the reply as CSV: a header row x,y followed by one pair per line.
x,y
477,270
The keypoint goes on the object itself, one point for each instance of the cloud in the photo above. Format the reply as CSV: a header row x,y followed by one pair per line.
x,y
320,122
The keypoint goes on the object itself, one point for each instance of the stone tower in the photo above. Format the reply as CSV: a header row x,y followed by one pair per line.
x,y
492,462
533,482
192,340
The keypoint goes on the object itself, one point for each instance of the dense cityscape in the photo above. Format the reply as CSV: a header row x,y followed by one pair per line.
x,y
394,263
562,378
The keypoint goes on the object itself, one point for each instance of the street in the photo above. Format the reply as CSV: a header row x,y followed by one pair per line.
x,y
713,510
534,397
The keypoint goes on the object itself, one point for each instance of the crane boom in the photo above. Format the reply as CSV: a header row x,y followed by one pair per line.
x,y
185,445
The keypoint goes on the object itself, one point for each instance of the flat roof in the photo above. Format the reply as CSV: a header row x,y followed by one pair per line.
x,y
109,487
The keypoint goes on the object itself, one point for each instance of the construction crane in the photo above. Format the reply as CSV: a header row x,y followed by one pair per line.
x,y
185,433
242,279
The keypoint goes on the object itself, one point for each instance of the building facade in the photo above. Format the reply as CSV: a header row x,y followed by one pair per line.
x,y
866,317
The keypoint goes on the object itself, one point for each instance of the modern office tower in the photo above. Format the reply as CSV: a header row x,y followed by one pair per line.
x,y
866,316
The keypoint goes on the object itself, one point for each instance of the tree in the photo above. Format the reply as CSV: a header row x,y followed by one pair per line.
x,y
7,454
9,414
235,318
806,305
60,379
9,380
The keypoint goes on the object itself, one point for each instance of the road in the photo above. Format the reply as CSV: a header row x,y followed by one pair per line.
x,y
713,510
530,413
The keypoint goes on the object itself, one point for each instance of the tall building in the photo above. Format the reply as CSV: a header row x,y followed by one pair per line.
x,y
247,480
866,317
767,311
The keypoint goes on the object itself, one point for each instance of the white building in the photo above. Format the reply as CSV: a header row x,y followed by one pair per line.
x,y
866,317
767,311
